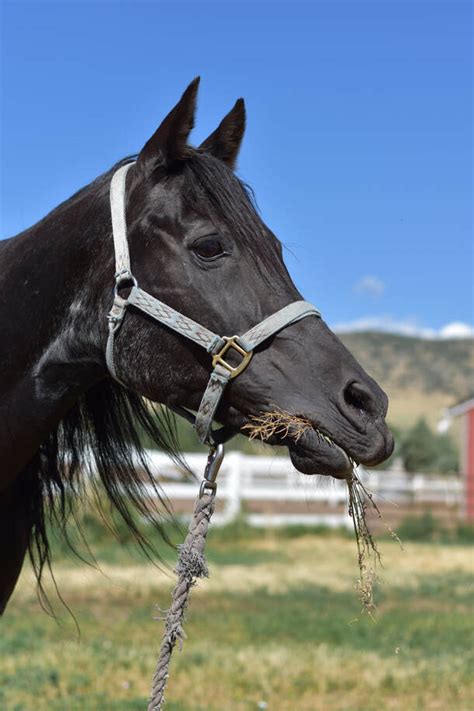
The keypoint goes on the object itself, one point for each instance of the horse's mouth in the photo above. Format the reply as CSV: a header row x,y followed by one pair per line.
x,y
316,453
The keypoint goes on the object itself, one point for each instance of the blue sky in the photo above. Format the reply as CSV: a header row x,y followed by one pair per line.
x,y
358,144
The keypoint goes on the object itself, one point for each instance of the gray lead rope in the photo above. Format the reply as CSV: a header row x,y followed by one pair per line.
x,y
191,562
191,565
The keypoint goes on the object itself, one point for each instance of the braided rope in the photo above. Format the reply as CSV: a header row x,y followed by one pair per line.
x,y
191,565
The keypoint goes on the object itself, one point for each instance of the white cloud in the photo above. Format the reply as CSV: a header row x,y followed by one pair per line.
x,y
407,327
371,285
457,329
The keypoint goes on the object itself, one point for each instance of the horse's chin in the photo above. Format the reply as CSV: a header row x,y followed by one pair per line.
x,y
314,454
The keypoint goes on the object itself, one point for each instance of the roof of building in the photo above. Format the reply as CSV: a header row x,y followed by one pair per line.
x,y
460,408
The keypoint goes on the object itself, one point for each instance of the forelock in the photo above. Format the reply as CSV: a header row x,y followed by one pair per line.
x,y
212,189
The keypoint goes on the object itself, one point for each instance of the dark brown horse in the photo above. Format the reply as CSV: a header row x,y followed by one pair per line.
x,y
198,244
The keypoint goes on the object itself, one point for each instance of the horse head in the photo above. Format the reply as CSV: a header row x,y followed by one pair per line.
x,y
198,244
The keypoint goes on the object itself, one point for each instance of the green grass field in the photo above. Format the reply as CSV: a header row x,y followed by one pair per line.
x,y
277,627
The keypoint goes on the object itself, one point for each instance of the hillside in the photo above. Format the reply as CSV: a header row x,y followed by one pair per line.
x,y
421,377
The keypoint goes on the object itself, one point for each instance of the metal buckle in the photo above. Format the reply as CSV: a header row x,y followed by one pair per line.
x,y
232,342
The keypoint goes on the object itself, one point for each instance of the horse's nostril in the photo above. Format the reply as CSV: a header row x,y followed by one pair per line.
x,y
360,398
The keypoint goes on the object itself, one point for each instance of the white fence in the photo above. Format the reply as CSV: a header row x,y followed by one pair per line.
x,y
245,479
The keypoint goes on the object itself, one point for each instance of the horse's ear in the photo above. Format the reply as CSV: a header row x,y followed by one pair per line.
x,y
225,142
168,145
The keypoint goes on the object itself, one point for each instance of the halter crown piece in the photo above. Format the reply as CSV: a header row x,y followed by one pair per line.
x,y
217,346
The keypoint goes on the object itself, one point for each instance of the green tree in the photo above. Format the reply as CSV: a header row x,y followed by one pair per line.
x,y
424,450
447,456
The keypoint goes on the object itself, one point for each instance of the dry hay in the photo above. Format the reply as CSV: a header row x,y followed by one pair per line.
x,y
278,423
285,425
368,555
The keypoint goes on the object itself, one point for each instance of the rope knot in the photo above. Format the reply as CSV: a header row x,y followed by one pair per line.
x,y
191,563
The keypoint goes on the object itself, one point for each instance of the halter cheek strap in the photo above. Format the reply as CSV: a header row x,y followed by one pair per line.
x,y
217,346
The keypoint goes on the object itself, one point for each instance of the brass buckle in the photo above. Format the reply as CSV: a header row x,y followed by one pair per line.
x,y
218,358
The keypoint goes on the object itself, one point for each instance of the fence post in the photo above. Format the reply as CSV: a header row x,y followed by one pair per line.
x,y
234,462
418,486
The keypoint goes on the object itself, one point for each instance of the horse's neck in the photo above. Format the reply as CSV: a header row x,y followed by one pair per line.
x,y
52,339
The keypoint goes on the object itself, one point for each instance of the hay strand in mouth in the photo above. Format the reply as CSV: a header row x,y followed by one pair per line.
x,y
369,558
368,555
278,423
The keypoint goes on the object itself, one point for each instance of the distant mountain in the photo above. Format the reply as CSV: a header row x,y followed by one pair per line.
x,y
421,377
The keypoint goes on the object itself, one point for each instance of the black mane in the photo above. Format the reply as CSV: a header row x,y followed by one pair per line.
x,y
98,447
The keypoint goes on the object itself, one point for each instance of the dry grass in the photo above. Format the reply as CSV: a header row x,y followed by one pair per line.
x,y
325,560
407,405
284,632
368,554
276,423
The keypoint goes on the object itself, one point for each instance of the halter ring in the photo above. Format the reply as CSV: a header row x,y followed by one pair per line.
x,y
125,277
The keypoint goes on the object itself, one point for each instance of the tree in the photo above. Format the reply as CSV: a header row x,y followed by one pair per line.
x,y
424,450
447,459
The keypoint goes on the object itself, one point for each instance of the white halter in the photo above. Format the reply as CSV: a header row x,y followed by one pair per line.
x,y
217,346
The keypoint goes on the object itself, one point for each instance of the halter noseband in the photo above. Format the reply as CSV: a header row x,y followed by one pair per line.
x,y
217,346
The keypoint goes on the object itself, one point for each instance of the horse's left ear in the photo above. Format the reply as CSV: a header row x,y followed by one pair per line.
x,y
225,142
169,144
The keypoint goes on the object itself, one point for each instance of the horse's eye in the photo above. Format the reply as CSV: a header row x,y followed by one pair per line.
x,y
208,248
